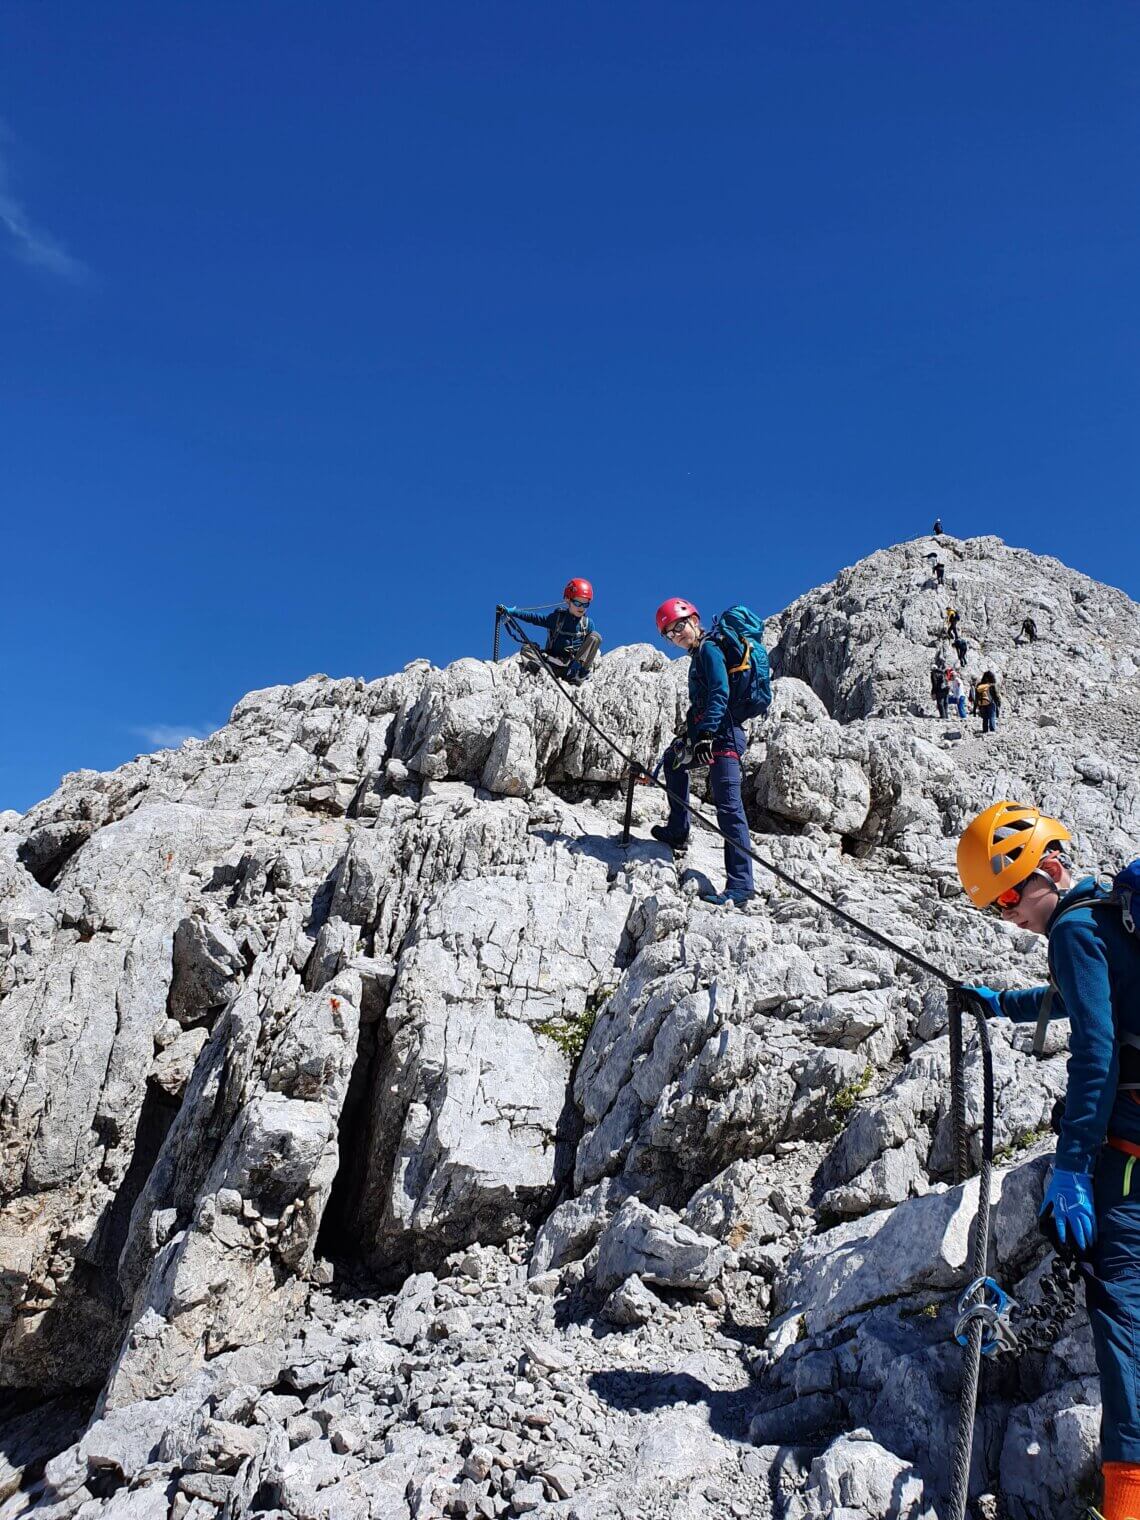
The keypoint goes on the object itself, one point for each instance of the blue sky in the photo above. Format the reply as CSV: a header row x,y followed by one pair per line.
x,y
327,327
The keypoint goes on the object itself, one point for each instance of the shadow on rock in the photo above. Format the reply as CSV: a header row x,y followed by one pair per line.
x,y
647,1392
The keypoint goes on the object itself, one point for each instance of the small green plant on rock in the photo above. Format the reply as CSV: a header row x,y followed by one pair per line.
x,y
1022,1141
850,1093
571,1033
920,1311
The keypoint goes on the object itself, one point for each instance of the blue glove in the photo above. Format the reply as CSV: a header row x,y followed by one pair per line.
x,y
991,998
1068,1216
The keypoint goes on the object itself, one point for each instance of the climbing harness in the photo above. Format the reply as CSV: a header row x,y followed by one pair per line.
x,y
980,1319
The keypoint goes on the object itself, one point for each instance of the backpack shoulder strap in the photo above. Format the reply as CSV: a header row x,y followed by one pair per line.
x,y
1043,1018
746,661
1052,991
1110,899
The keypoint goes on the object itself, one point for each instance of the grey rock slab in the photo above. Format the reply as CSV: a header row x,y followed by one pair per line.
x,y
677,1444
921,1244
135,1504
572,1228
1050,1456
856,1477
659,1248
631,1303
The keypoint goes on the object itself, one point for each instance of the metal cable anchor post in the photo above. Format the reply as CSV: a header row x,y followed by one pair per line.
x,y
627,822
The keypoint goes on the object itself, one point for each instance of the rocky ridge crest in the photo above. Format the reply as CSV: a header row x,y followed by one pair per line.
x,y
380,1138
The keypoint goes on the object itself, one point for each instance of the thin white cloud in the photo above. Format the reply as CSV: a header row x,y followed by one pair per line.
x,y
27,241
170,735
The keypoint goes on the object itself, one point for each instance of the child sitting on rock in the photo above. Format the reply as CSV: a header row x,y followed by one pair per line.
x,y
572,642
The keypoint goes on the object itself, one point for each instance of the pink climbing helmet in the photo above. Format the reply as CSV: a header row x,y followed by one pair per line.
x,y
672,610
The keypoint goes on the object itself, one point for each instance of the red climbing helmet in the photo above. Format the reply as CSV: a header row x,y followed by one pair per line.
x,y
578,590
672,611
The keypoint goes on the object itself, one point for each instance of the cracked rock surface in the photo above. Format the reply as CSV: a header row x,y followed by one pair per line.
x,y
379,1137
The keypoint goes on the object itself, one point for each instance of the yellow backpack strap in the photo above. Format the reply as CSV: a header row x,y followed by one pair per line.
x,y
734,670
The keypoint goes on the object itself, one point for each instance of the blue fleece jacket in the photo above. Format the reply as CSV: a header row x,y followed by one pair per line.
x,y
565,629
708,691
1095,964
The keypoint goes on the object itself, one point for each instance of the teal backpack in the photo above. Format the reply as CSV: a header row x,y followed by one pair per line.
x,y
739,635
1123,895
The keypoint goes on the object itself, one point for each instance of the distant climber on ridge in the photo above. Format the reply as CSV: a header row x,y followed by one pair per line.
x,y
956,692
987,701
572,641
940,687
937,527
1014,859
728,683
1028,632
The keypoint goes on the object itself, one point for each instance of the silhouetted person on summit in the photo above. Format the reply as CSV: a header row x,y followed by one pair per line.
x,y
937,526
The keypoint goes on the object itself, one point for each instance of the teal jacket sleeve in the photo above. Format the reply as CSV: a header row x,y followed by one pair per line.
x,y
713,677
535,622
1080,969
1024,1005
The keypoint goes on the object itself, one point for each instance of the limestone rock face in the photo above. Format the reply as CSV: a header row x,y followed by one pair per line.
x,y
622,1198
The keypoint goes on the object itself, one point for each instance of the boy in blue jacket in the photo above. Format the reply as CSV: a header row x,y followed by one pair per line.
x,y
714,739
1013,859
572,642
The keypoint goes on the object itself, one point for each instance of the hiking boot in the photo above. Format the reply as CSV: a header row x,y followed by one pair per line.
x,y
727,899
674,841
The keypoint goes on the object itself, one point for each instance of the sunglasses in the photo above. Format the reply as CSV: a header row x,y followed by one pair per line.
x,y
574,602
674,629
1013,895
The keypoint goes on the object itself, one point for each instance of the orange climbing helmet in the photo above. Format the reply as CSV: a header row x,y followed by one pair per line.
x,y
1002,848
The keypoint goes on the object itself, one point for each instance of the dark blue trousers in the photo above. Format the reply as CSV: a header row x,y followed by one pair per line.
x,y
1113,1299
724,781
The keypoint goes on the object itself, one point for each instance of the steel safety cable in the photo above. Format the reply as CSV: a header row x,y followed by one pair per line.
x,y
960,998
833,908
